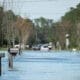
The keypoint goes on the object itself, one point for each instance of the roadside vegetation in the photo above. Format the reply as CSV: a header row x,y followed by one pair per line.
x,y
41,30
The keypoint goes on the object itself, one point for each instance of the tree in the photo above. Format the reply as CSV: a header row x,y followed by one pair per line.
x,y
73,17
8,26
24,28
43,29
1,28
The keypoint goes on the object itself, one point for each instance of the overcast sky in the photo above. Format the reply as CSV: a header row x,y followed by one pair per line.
x,y
52,9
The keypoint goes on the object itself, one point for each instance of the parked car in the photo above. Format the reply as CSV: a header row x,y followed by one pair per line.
x,y
44,47
36,47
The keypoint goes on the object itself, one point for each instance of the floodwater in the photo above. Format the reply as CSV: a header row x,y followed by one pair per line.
x,y
43,65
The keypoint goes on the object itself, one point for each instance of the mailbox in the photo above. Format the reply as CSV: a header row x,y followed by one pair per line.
x,y
13,51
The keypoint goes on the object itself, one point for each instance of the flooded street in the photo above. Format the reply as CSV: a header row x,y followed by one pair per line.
x,y
47,32
39,65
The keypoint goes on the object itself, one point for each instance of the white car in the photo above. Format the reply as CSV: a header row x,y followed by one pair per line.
x,y
44,47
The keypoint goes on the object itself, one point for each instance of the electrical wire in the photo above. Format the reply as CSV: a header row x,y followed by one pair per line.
x,y
29,0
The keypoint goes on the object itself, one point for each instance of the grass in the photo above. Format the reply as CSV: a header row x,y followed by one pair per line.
x,y
3,49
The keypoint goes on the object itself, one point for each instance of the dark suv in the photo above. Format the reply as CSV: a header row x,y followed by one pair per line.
x,y
36,47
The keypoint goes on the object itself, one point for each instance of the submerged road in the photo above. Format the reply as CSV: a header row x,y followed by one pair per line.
x,y
39,65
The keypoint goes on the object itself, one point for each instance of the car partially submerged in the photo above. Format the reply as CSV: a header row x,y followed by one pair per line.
x,y
42,47
36,47
46,47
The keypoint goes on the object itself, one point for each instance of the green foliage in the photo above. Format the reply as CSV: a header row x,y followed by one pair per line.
x,y
1,28
44,30
9,27
73,16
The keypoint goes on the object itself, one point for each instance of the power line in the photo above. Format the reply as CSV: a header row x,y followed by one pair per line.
x,y
31,1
